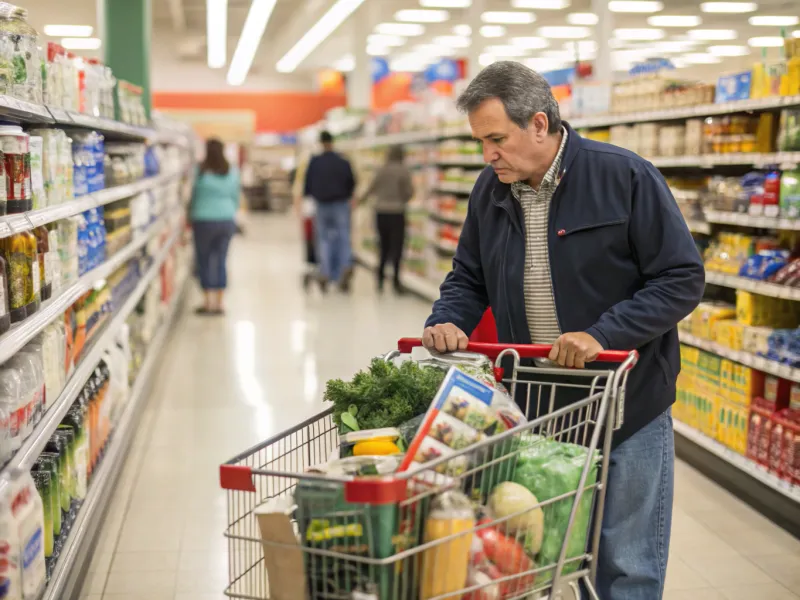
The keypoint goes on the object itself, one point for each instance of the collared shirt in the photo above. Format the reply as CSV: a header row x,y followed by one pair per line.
x,y
538,286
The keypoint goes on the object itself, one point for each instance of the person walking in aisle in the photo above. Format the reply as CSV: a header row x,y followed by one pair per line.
x,y
215,201
393,189
330,182
580,244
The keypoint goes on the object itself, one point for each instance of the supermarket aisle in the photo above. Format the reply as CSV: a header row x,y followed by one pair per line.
x,y
226,384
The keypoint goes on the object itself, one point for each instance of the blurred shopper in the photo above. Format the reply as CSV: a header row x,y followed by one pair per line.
x,y
392,188
330,182
580,244
215,201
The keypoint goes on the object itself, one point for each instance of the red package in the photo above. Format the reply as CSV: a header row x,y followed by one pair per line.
x,y
754,433
776,445
790,451
763,442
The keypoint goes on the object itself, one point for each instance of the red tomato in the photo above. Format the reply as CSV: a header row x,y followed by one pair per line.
x,y
510,559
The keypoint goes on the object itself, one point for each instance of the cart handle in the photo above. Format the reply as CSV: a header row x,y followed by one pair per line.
x,y
405,345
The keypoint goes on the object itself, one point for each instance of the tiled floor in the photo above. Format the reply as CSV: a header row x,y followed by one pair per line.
x,y
228,383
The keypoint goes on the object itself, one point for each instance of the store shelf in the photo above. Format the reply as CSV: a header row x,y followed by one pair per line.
x,y
462,160
701,110
76,553
423,287
742,462
21,333
763,288
20,110
454,187
697,226
16,223
703,161
445,248
448,218
745,358
105,126
745,220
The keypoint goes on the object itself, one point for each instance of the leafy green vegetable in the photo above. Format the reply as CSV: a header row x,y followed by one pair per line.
x,y
384,395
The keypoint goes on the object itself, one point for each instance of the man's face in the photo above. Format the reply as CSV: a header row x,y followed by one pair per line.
x,y
514,153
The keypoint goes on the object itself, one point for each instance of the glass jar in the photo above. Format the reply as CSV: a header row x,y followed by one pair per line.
x,y
33,283
20,63
14,250
42,255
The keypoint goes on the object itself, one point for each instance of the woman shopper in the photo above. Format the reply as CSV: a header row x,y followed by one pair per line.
x,y
215,200
392,188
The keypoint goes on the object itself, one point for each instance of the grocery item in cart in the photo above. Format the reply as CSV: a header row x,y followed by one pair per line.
x,y
526,521
372,442
284,562
445,565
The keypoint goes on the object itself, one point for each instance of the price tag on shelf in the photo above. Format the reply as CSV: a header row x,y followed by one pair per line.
x,y
785,371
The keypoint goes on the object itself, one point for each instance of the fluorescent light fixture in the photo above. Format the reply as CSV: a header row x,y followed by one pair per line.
x,y
217,32
543,65
445,3
541,4
381,39
673,46
404,29
530,42
508,17
68,30
81,43
582,19
729,50
635,6
376,50
493,31
422,16
486,59
700,58
564,32
674,21
462,30
773,21
505,51
452,41
345,64
728,7
639,34
318,33
433,50
252,32
765,41
712,35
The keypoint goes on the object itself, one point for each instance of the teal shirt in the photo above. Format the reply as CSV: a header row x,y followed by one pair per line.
x,y
215,197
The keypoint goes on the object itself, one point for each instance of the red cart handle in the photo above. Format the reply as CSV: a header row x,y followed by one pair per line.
x,y
405,345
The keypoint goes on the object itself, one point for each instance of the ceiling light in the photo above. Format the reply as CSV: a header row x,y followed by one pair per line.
x,y
345,64
445,3
543,65
252,32
68,30
493,31
462,30
452,41
422,16
380,39
634,6
506,51
728,7
486,59
674,21
582,19
638,34
564,32
530,43
700,58
729,50
766,41
405,29
540,4
377,50
670,46
327,24
712,35
773,21
81,43
217,32
508,17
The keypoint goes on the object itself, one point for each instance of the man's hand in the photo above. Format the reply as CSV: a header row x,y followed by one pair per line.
x,y
444,338
575,350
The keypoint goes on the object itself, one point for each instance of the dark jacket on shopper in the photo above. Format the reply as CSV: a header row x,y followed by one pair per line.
x,y
329,178
624,266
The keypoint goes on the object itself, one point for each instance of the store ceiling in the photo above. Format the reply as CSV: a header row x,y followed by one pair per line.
x,y
180,26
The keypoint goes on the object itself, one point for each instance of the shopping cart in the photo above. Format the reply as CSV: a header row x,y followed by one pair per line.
x,y
363,538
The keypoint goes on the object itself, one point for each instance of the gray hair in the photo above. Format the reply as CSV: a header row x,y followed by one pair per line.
x,y
522,91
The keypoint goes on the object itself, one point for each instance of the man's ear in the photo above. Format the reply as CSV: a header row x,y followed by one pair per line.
x,y
540,125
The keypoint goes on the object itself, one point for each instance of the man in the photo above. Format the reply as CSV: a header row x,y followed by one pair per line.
x,y
329,180
580,244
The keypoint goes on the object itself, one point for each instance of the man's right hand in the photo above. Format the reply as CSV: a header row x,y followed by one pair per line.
x,y
444,338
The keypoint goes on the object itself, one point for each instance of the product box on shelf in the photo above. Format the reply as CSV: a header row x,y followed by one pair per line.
x,y
733,87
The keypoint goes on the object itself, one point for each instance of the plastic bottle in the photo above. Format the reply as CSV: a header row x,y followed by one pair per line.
x,y
45,346
5,313
13,402
11,585
28,513
33,282
42,252
29,361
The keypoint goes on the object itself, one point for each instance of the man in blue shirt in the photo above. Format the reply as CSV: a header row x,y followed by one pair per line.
x,y
330,182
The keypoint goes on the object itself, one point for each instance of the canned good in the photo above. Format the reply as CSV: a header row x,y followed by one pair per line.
x,y
15,145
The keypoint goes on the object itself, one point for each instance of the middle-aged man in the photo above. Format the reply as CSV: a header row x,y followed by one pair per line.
x,y
580,244
330,182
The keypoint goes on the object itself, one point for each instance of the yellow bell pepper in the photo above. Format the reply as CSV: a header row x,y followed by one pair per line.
x,y
376,447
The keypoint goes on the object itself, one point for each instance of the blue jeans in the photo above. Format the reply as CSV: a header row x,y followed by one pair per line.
x,y
634,543
333,239
211,242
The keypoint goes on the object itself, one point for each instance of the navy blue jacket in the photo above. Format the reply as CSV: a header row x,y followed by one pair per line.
x,y
624,266
329,178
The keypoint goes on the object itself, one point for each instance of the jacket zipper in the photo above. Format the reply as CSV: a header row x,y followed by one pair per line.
x,y
596,226
551,219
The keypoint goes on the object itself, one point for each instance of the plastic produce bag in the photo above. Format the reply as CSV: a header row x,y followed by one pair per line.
x,y
549,469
